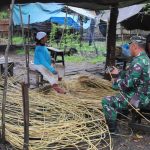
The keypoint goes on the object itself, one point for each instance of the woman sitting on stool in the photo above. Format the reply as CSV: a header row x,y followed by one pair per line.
x,y
43,62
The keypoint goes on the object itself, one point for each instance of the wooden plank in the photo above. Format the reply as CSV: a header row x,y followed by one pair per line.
x,y
54,49
3,62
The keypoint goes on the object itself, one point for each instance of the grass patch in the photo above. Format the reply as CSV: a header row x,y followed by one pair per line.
x,y
75,59
97,59
22,52
17,40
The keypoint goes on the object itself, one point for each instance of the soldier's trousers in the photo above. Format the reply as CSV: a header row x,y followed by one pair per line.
x,y
112,105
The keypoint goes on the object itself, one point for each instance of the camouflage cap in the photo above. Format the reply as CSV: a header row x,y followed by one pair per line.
x,y
138,39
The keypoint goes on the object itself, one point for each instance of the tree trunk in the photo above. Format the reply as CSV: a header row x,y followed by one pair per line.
x,y
111,37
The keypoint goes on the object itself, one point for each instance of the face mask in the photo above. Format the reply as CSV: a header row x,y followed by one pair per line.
x,y
126,50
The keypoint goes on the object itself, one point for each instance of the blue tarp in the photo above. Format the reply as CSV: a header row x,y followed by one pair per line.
x,y
40,12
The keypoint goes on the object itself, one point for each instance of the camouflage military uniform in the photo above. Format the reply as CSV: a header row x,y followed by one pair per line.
x,y
134,84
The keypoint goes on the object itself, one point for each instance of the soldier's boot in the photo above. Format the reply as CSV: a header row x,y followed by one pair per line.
x,y
112,125
123,114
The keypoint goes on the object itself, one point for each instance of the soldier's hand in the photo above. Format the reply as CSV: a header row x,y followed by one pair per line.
x,y
112,80
115,71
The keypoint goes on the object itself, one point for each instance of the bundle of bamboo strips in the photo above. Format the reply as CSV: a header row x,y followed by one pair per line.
x,y
57,122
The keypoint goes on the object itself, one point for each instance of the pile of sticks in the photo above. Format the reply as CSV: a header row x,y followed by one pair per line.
x,y
70,121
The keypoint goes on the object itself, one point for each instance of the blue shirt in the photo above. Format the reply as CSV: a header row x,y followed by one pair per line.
x,y
42,57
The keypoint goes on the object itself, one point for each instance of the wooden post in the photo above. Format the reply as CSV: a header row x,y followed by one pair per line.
x,y
111,39
6,72
25,96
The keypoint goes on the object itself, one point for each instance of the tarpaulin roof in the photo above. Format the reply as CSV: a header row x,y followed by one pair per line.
x,y
124,13
40,12
138,21
130,17
84,12
72,20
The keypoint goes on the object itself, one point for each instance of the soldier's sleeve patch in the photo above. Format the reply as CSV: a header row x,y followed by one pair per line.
x,y
137,67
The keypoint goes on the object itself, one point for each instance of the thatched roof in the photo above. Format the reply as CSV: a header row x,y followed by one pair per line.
x,y
89,4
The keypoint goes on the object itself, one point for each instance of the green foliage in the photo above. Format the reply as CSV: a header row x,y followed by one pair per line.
x,y
52,35
68,39
4,15
72,40
147,8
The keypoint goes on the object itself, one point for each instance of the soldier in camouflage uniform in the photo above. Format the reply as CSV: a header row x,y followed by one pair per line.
x,y
134,84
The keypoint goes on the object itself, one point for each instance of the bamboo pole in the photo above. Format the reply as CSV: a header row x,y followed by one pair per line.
x,y
27,53
24,45
28,28
96,50
6,72
65,25
122,37
107,36
25,96
81,31
12,28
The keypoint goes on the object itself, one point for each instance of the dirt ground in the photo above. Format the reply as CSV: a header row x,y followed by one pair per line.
x,y
127,139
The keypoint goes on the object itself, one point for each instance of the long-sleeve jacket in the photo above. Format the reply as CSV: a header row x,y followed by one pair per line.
x,y
42,57
135,82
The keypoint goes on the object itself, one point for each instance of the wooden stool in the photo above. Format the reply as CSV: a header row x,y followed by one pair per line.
x,y
39,76
10,67
136,119
56,52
